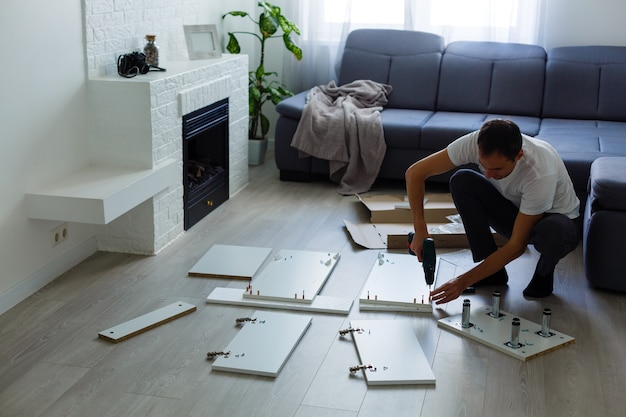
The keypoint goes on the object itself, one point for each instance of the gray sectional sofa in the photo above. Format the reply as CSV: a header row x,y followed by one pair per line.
x,y
572,97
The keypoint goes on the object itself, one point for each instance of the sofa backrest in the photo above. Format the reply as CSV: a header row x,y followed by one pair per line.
x,y
406,60
586,82
492,77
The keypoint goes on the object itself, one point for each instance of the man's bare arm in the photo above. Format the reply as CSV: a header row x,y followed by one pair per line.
x,y
509,251
415,177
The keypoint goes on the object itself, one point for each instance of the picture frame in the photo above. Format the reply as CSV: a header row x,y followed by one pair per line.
x,y
202,41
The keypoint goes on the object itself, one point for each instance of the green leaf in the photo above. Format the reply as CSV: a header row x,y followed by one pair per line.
x,y
287,26
235,13
233,44
265,125
292,47
268,25
260,72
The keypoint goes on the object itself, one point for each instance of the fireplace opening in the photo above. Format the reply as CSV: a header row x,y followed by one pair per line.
x,y
205,161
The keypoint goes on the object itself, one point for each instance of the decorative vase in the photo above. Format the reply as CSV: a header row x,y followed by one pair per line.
x,y
151,50
257,148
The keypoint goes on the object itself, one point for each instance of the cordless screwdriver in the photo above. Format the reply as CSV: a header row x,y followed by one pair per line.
x,y
429,258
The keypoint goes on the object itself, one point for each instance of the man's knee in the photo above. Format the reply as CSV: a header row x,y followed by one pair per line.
x,y
462,180
556,234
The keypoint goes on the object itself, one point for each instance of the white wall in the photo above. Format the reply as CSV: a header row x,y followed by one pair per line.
x,y
43,73
42,135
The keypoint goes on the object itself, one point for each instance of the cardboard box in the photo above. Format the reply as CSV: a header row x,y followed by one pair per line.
x,y
391,222
395,209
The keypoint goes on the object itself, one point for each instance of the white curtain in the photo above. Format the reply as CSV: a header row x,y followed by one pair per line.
x,y
326,23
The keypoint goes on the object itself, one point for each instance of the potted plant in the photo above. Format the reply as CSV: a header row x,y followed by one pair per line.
x,y
264,86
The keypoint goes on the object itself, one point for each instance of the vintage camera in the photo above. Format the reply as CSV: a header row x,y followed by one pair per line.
x,y
129,65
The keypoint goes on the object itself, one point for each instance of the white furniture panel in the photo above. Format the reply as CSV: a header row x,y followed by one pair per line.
x,y
394,352
146,322
294,276
320,304
396,283
496,332
230,262
263,346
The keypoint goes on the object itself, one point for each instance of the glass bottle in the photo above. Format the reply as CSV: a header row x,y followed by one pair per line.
x,y
151,50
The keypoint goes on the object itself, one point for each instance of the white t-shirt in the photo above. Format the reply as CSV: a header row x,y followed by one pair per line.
x,y
538,184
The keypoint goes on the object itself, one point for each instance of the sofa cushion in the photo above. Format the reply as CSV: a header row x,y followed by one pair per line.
x,y
444,127
402,127
492,77
406,60
607,184
586,82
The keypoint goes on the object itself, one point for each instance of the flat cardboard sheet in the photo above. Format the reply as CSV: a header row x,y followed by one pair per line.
x,y
391,222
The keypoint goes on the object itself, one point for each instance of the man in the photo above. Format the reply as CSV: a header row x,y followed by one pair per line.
x,y
522,191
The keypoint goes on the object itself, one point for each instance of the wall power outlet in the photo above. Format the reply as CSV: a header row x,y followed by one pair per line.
x,y
58,234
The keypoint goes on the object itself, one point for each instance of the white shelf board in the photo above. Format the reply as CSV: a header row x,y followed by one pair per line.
x,y
263,346
294,276
392,348
146,322
496,332
99,194
226,261
320,304
396,283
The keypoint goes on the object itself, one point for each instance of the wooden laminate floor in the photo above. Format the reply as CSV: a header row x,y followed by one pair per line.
x,y
53,364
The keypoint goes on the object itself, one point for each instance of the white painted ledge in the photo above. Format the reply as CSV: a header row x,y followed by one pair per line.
x,y
100,194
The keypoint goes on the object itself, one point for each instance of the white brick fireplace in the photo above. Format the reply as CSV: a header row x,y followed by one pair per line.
x,y
137,123
132,185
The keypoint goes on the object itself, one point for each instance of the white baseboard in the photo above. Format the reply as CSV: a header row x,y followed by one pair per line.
x,y
47,274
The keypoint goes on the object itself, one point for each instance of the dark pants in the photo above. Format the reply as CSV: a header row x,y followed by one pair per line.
x,y
481,206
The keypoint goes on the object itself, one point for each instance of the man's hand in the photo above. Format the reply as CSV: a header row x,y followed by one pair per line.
x,y
417,246
449,291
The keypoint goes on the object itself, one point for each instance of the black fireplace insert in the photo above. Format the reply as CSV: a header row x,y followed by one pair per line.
x,y
205,161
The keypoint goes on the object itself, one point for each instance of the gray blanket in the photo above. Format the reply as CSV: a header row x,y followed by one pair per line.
x,y
342,125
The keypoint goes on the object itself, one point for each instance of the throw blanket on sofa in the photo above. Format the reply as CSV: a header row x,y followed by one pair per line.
x,y
342,125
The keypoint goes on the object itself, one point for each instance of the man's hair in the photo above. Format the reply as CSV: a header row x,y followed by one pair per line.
x,y
500,136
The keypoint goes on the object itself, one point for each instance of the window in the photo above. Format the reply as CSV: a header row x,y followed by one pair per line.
x,y
364,12
473,13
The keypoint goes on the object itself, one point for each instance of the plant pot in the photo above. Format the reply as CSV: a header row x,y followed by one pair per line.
x,y
257,148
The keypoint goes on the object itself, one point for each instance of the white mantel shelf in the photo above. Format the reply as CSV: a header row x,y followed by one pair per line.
x,y
99,194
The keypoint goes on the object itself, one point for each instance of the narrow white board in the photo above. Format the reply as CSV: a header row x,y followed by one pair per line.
x,y
263,346
320,304
496,332
293,275
393,350
225,261
146,322
396,283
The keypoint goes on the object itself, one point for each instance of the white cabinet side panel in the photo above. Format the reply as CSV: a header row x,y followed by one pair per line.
x,y
393,349
263,346
320,304
293,275
396,283
230,262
